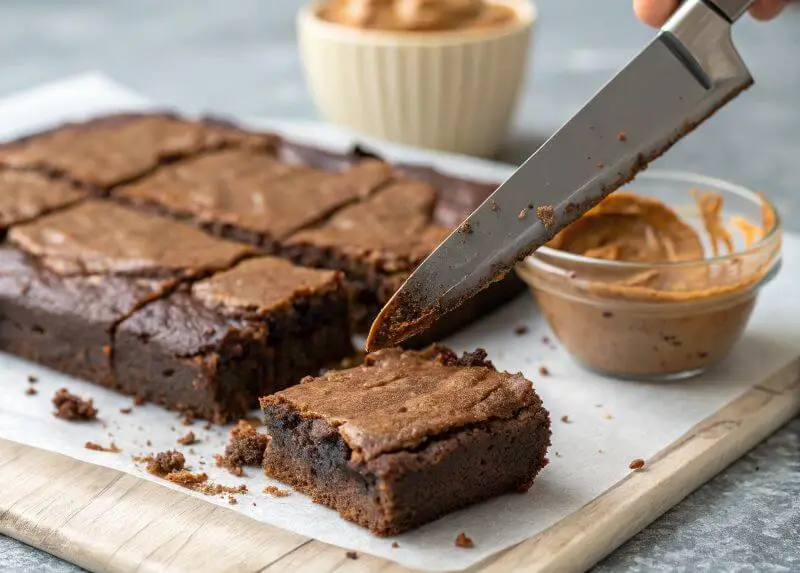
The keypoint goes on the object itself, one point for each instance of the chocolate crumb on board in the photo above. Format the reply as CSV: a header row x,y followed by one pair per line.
x,y
138,401
149,443
188,418
276,491
546,214
125,410
98,448
622,136
521,330
232,500
523,214
395,545
463,541
544,371
71,407
636,464
188,439
465,227
223,462
608,417
351,555
31,391
208,425
545,340
32,379
566,419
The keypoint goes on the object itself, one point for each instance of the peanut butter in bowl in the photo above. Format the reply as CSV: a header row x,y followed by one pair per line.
x,y
657,284
417,15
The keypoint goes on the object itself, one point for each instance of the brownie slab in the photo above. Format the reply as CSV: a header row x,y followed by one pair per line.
x,y
118,148
376,242
24,195
407,437
214,347
67,279
64,322
249,195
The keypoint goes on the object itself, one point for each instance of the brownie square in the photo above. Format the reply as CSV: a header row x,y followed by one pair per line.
x,y
407,437
25,195
250,195
114,149
214,347
376,242
67,279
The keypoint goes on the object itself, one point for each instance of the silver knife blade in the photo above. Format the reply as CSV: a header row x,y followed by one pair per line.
x,y
682,77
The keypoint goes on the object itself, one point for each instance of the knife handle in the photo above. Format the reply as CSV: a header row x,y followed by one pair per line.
x,y
731,9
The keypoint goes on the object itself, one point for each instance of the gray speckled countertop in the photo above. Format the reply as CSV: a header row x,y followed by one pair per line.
x,y
240,58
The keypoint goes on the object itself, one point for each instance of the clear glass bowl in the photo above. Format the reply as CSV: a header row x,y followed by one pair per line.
x,y
687,322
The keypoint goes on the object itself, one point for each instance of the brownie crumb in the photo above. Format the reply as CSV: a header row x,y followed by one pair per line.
x,y
223,462
138,401
523,214
636,464
71,407
246,445
463,541
545,340
494,205
566,419
477,357
32,379
188,418
188,439
98,448
232,500
351,555
546,214
600,164
31,391
164,463
465,227
395,545
275,491
149,443
608,417
125,410
544,371
622,136
521,330
208,426
187,479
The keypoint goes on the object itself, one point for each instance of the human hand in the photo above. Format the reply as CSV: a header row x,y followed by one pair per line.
x,y
656,12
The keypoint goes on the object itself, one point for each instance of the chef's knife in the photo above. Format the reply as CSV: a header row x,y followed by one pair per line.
x,y
682,77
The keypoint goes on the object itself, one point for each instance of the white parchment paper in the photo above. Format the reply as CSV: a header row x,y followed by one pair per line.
x,y
612,422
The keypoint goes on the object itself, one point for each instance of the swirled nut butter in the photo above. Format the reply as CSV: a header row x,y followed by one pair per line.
x,y
417,15
651,296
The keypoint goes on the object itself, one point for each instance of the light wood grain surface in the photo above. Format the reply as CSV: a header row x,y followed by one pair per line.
x,y
105,520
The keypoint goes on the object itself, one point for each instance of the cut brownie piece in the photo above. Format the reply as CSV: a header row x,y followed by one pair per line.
x,y
71,276
249,195
118,148
25,195
377,243
407,437
97,237
214,347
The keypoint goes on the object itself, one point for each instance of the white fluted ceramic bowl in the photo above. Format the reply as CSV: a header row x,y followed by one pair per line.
x,y
453,90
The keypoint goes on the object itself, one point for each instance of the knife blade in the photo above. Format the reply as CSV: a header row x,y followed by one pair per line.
x,y
686,73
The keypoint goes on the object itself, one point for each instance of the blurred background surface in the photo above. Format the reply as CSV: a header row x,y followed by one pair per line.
x,y
239,57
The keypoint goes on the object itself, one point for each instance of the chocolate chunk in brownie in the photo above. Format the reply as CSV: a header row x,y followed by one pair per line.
x,y
407,437
377,243
213,347
114,149
25,195
251,196
72,407
71,276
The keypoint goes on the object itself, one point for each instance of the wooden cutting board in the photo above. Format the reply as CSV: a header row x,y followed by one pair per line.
x,y
105,520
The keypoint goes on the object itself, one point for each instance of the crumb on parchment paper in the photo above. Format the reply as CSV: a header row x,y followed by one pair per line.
x,y
463,541
73,408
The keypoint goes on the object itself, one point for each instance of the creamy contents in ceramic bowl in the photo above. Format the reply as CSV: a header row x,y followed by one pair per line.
x,y
416,15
